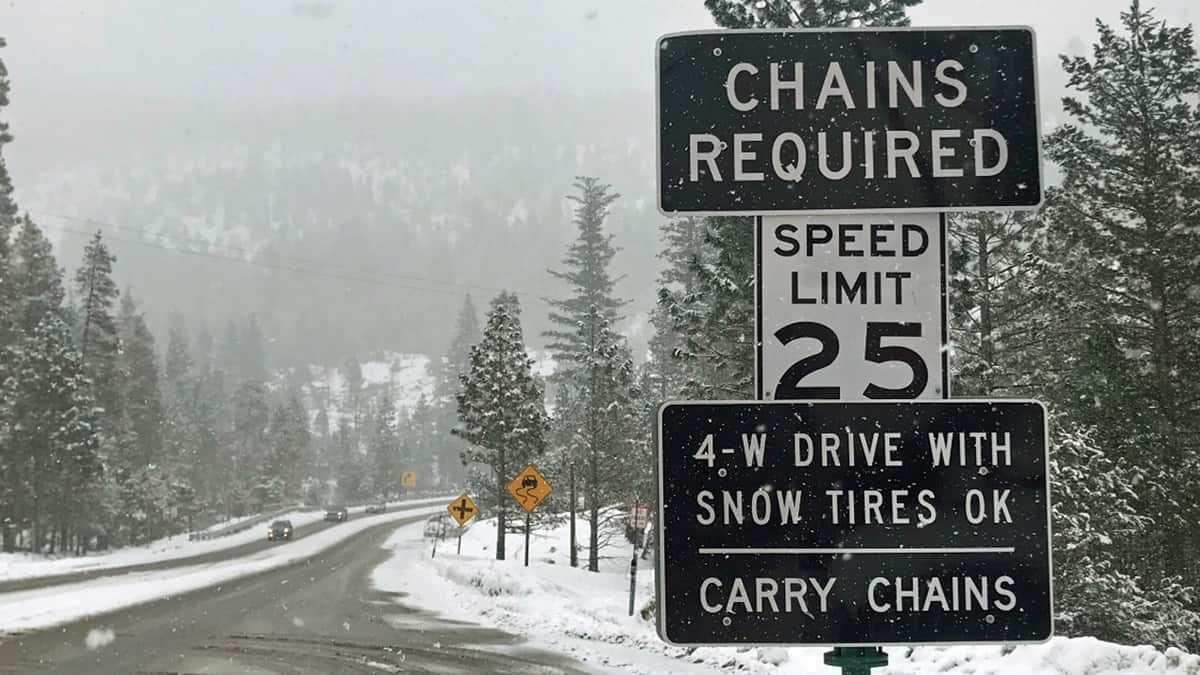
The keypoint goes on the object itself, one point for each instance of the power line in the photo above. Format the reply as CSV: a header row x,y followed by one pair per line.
x,y
369,279
237,249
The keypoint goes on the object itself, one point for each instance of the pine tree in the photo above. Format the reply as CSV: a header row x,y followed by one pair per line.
x,y
718,323
585,268
140,386
1126,253
590,359
448,384
98,338
8,316
251,414
609,428
809,13
502,409
36,278
999,303
456,360
54,427
383,448
682,254
289,444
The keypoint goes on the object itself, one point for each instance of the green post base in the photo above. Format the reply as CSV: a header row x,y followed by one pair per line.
x,y
856,660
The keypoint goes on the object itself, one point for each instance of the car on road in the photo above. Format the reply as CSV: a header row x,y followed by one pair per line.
x,y
337,514
279,530
377,508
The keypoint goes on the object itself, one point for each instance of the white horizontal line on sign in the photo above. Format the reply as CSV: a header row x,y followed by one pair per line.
x,y
851,550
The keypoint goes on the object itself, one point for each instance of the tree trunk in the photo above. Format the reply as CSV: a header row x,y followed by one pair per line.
x,y
986,345
574,541
594,510
501,476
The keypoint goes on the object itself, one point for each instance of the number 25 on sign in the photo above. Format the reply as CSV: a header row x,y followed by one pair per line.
x,y
851,306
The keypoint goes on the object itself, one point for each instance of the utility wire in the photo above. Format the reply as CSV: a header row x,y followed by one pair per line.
x,y
370,278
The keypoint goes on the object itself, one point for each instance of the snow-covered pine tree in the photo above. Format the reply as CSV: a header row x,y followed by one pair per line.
x,y
98,338
502,410
37,286
251,413
591,362
809,13
8,320
54,427
610,429
682,254
1123,227
288,445
383,448
1000,319
138,366
585,269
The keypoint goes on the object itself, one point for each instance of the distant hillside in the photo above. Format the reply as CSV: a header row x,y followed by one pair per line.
x,y
365,222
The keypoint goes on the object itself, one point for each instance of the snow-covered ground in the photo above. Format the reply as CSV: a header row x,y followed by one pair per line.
x,y
25,565
45,607
585,615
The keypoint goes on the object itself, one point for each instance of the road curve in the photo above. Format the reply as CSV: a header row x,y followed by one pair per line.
x,y
26,583
319,615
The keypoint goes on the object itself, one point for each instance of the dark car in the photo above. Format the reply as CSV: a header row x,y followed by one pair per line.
x,y
280,529
337,515
377,508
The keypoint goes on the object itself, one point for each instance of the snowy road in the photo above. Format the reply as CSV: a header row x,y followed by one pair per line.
x,y
317,615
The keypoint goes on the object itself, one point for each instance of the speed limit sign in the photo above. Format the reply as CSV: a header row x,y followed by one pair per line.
x,y
851,307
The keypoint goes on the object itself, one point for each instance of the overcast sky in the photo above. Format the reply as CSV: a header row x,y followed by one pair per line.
x,y
292,50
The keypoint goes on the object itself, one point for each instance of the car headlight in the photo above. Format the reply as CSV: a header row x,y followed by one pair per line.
x,y
287,530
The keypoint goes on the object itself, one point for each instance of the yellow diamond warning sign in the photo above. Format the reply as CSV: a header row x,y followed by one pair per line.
x,y
408,479
462,509
529,488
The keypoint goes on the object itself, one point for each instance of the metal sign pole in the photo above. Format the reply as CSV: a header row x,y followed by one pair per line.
x,y
528,517
856,660
459,551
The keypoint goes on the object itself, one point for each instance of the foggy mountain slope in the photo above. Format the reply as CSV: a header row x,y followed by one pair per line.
x,y
365,222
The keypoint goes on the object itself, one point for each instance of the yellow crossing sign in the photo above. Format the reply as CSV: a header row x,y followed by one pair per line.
x,y
529,488
462,509
408,479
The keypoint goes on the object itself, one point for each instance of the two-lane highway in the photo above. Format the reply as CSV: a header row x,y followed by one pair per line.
x,y
319,615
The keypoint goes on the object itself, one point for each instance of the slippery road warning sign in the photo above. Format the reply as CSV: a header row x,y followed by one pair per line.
x,y
851,306
529,488
878,119
853,523
462,509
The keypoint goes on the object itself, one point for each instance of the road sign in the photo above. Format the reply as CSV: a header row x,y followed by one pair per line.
x,y
462,509
881,119
851,306
408,479
853,523
529,488
639,515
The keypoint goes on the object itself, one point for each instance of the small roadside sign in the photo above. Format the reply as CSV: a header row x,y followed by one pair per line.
x,y
408,479
851,306
772,121
529,488
853,523
462,509
639,515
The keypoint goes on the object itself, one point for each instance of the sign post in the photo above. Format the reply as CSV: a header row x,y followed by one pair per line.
x,y
637,522
846,144
529,488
